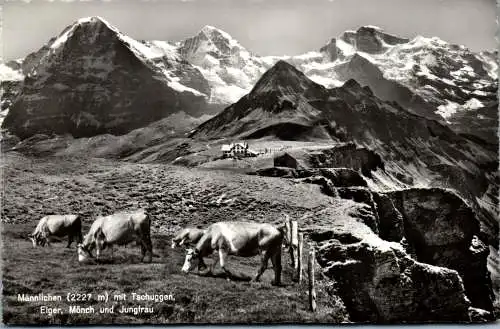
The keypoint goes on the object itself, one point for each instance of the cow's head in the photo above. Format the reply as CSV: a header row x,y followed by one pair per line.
x,y
189,262
174,244
33,240
37,240
83,253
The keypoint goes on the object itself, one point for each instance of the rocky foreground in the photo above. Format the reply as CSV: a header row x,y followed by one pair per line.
x,y
408,255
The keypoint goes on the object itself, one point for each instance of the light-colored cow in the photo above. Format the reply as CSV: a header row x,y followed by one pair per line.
x,y
245,239
120,228
57,226
187,236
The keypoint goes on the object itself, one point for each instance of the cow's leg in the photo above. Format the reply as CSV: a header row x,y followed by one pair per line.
x,y
146,247
276,260
182,242
149,244
214,264
263,266
222,260
142,243
291,250
70,240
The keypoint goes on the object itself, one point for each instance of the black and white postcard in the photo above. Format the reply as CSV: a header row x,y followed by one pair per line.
x,y
249,161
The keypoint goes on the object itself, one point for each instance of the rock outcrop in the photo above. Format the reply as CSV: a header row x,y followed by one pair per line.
x,y
348,156
390,286
371,39
383,277
444,231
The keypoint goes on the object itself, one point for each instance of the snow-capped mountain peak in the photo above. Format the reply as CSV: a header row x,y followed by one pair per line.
x,y
425,74
212,31
213,41
95,22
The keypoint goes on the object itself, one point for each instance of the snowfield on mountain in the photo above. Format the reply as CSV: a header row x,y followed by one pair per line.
x,y
429,76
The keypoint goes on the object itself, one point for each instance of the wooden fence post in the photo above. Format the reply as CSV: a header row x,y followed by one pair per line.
x,y
289,237
294,243
288,229
299,257
312,288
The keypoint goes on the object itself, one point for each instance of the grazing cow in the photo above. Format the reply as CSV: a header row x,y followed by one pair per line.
x,y
120,228
57,226
187,236
245,239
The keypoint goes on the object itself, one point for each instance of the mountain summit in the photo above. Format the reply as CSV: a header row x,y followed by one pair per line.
x,y
285,78
92,79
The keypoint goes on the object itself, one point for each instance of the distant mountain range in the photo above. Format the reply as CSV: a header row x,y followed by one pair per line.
x,y
93,79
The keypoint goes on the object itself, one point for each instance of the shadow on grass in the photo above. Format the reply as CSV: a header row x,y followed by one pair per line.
x,y
233,276
238,276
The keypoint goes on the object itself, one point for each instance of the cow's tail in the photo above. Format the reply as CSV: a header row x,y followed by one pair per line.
x,y
78,228
147,233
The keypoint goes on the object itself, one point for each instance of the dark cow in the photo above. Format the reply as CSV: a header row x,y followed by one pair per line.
x,y
57,226
245,239
120,228
187,236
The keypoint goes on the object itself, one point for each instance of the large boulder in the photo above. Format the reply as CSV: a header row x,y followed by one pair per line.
x,y
346,156
286,160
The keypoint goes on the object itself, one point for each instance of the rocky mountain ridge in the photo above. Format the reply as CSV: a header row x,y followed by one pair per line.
x,y
427,76
92,79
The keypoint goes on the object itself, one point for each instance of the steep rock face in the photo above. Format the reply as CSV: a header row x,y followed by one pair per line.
x,y
9,91
95,80
349,156
411,255
481,123
395,288
331,50
377,280
11,83
371,39
443,230
437,228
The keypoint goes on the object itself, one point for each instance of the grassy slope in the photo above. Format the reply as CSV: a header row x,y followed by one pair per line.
x,y
177,197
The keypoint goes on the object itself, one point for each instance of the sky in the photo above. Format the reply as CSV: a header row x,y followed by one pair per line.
x,y
265,27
